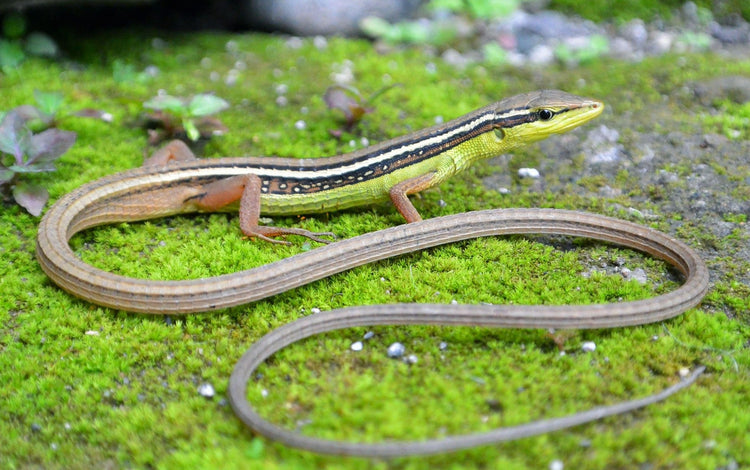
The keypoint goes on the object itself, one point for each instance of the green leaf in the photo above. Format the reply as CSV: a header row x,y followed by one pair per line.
x,y
48,103
168,103
31,197
43,167
6,175
11,55
205,104
489,9
192,131
40,44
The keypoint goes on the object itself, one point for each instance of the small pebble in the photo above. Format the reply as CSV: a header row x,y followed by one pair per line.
x,y
315,310
684,372
368,335
151,71
264,393
443,346
556,465
320,42
396,350
588,346
232,77
92,333
206,390
231,46
411,359
528,173
300,125
356,346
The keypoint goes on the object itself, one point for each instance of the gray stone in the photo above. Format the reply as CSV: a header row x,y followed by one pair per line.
x,y
326,17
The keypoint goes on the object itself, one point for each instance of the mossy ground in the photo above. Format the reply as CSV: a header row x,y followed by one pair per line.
x,y
127,397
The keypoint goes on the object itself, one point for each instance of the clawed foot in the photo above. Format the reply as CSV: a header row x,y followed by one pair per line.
x,y
266,233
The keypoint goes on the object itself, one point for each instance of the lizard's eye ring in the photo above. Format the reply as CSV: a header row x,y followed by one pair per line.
x,y
546,114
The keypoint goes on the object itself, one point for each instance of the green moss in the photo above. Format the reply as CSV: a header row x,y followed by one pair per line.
x,y
647,10
88,387
730,119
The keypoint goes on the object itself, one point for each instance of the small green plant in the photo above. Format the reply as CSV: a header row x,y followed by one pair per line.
x,y
49,111
409,32
351,103
16,44
23,152
174,117
596,47
484,9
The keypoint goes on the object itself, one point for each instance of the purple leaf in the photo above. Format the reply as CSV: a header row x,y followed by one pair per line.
x,y
337,97
48,145
30,197
28,112
15,139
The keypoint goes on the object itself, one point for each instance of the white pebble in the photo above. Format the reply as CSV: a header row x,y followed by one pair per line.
x,y
528,173
232,77
92,333
588,346
684,372
556,465
315,310
396,350
206,390
356,346
300,125
411,359
320,42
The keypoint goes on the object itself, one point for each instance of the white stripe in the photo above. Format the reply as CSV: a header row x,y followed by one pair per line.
x,y
338,171
353,167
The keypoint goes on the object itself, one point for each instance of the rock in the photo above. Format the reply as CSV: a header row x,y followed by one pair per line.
x,y
735,88
323,17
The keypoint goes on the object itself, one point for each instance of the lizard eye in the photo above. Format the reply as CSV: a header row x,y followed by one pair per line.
x,y
499,133
545,114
